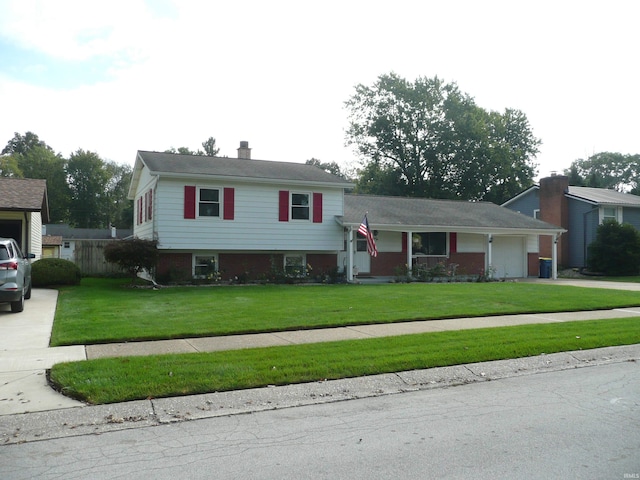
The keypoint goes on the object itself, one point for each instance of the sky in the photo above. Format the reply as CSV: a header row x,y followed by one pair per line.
x,y
118,76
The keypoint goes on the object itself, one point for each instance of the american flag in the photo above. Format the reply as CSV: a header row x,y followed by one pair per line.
x,y
366,232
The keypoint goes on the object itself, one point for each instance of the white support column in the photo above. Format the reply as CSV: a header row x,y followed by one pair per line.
x,y
350,255
409,253
489,271
554,258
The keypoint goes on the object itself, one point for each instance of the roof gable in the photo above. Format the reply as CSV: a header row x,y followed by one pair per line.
x,y
24,195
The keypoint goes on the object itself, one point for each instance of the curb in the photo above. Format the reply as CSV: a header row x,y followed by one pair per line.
x,y
85,420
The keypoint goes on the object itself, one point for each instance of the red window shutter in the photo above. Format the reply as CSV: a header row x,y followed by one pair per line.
x,y
140,210
453,242
146,206
404,242
229,200
317,207
284,206
189,201
150,213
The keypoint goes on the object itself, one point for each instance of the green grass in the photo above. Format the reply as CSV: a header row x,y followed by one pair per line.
x,y
102,311
133,378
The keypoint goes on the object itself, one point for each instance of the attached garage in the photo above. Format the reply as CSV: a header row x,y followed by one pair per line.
x,y
510,256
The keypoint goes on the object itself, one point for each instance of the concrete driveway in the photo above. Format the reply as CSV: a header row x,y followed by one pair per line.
x,y
24,356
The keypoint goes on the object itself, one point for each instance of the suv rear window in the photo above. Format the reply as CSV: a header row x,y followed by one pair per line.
x,y
4,255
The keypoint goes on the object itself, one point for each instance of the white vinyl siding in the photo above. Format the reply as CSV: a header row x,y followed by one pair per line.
x,y
471,243
255,227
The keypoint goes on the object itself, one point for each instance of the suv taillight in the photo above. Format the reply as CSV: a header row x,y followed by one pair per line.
x,y
9,266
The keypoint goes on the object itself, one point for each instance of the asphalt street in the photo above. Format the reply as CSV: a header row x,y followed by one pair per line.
x,y
577,423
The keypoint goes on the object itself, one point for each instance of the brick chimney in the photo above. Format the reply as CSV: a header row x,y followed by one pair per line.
x,y
554,209
244,151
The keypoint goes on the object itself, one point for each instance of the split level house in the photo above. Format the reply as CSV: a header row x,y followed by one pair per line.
x,y
578,210
24,206
246,215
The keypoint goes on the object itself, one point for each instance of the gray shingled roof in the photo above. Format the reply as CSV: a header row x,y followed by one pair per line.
x,y
24,195
67,232
397,213
198,165
603,196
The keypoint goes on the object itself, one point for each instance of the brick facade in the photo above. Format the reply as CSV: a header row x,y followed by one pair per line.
x,y
554,209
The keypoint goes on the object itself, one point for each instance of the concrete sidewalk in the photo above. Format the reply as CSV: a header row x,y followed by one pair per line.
x,y
24,339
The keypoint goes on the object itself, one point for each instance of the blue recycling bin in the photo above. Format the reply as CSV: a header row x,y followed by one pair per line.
x,y
545,268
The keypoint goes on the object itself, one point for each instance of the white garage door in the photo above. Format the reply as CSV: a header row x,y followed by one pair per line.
x,y
509,256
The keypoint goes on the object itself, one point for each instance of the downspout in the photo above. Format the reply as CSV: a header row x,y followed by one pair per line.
x,y
489,270
27,237
584,235
554,258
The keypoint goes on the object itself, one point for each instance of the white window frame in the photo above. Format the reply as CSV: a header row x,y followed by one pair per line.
x,y
201,202
536,214
194,263
603,217
289,269
309,206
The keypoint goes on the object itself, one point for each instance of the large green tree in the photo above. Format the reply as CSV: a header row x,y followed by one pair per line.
x,y
88,181
607,170
26,156
428,139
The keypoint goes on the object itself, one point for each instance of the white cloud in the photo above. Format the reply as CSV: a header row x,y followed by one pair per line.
x,y
277,73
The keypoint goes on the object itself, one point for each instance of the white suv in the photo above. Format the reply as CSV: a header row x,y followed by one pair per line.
x,y
15,274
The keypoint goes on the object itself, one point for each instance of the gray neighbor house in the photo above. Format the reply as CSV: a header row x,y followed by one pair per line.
x,y
579,210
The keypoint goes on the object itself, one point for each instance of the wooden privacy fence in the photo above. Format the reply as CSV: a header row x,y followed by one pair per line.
x,y
89,256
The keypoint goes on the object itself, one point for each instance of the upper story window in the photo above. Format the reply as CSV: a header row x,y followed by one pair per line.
x,y
300,206
209,202
610,213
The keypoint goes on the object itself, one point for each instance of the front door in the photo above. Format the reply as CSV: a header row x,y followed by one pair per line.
x,y
361,258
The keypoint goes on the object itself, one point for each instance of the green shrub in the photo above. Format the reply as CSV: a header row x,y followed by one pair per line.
x,y
616,250
54,271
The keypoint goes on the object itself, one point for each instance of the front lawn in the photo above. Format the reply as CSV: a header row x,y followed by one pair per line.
x,y
103,310
112,380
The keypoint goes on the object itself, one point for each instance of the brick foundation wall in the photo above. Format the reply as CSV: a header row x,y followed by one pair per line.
x,y
386,262
233,265
180,263
322,263
533,264
468,263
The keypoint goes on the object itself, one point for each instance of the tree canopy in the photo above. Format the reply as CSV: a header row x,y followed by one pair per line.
x,y
209,145
428,139
607,170
84,190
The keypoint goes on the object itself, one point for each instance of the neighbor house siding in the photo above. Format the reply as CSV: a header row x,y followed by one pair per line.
x,y
527,203
631,216
255,224
583,221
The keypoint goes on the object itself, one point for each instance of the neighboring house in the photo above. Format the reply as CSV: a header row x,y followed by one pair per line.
x,y
84,246
51,245
579,210
245,215
24,206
